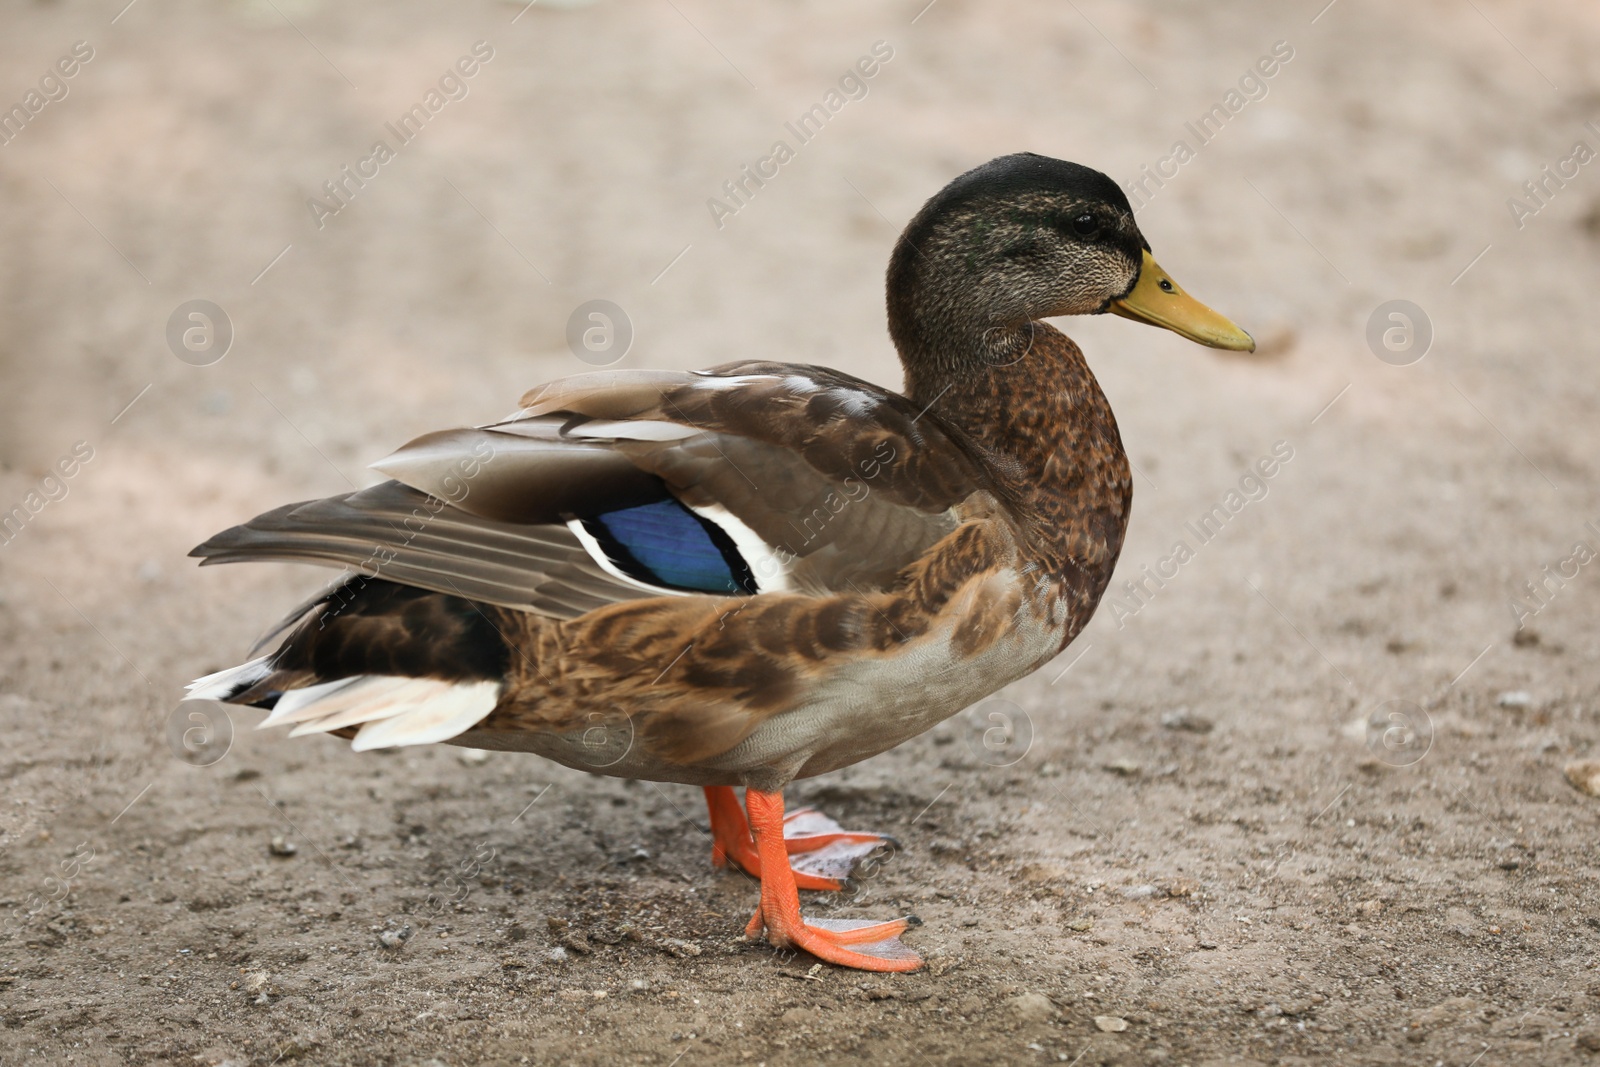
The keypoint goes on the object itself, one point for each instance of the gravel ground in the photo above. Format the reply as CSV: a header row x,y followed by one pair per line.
x,y
1301,797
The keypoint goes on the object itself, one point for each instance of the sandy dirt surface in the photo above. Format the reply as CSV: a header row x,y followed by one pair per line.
x,y
1300,801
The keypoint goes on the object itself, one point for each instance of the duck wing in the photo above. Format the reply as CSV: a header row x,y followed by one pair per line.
x,y
808,480
399,534
607,487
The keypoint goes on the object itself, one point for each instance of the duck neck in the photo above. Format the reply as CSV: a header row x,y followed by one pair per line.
x,y
1027,397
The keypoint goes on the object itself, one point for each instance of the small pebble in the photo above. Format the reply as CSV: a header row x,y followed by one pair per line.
x,y
1110,1024
1516,698
1032,1007
1080,925
1209,946
1127,768
1141,892
1184,719
472,757
393,939
1584,774
679,949
282,846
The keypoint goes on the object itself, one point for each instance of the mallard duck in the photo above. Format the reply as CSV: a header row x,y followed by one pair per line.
x,y
764,571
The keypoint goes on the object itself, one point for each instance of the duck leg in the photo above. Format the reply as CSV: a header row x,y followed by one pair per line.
x,y
865,945
821,854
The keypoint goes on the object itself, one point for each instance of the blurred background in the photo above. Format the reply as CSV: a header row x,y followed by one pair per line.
x,y
1223,747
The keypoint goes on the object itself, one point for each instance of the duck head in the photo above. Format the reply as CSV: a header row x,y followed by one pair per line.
x,y
1026,237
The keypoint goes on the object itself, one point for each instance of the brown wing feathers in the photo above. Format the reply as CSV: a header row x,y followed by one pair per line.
x,y
852,480
529,473
839,425
403,535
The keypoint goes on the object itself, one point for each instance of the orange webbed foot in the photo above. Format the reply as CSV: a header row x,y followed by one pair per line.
x,y
820,852
863,944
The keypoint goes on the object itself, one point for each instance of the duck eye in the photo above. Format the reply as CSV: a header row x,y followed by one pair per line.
x,y
1085,225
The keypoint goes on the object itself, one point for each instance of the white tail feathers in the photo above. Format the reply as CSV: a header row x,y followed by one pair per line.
x,y
392,711
223,684
449,710
330,698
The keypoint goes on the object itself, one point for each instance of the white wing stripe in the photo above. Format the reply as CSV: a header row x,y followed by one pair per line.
x,y
771,573
642,430
598,554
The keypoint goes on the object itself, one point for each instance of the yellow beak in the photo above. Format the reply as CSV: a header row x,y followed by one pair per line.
x,y
1157,300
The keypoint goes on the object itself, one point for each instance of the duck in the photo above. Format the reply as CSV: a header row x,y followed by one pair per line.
x,y
738,577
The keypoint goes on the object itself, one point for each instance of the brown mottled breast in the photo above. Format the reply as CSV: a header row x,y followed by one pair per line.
x,y
1047,432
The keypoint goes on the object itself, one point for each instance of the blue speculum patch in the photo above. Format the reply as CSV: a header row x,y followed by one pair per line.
x,y
668,544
